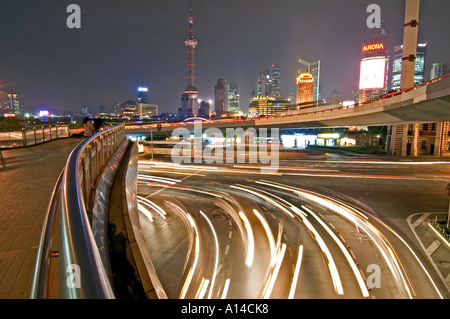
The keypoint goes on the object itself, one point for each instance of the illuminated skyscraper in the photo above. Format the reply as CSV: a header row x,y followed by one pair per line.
x,y
221,97
268,82
373,78
189,97
438,69
305,88
419,75
312,68
275,76
233,99
13,105
142,94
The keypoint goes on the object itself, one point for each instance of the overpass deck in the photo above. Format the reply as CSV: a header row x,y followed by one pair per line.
x,y
27,178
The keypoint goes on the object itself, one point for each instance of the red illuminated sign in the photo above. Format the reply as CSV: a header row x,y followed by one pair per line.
x,y
373,47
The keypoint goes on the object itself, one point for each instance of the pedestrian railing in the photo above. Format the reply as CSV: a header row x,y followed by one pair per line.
x,y
31,135
81,270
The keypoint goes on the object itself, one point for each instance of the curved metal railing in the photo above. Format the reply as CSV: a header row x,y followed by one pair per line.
x,y
14,137
82,273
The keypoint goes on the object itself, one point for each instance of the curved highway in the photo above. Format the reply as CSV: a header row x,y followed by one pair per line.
x,y
231,231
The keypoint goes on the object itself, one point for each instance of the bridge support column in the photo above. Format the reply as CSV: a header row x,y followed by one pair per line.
x,y
410,33
415,140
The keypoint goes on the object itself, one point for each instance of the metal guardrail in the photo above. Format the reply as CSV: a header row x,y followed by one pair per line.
x,y
82,274
31,135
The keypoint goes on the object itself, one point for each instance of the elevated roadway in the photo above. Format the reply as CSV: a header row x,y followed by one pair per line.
x,y
429,102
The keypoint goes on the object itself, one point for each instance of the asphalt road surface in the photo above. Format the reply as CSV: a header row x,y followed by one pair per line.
x,y
319,227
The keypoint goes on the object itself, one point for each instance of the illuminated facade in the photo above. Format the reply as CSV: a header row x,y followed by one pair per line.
x,y
268,82
189,104
142,94
419,74
438,70
312,68
374,68
13,107
305,88
268,106
233,99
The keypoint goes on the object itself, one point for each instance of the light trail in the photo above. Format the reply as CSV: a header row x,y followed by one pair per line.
x,y
296,273
344,250
352,215
269,235
273,276
152,205
267,198
250,240
145,211
225,288
216,243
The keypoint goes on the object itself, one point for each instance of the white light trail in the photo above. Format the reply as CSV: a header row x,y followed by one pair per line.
x,y
296,273
273,276
225,288
269,235
344,250
267,198
250,240
216,243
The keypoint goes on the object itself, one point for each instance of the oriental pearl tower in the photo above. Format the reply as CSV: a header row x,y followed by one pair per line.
x,y
189,97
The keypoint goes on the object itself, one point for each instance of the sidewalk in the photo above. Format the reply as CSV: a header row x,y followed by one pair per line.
x,y
435,247
27,178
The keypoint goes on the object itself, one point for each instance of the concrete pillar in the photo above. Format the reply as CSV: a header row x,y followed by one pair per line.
x,y
415,141
410,33
438,139
404,139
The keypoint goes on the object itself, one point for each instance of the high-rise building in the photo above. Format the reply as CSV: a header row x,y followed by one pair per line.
x,y
419,75
305,88
373,78
233,99
263,83
312,68
13,105
189,97
268,106
221,97
268,82
142,94
275,85
204,109
438,69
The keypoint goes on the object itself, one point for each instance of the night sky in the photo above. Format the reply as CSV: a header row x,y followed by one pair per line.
x,y
125,43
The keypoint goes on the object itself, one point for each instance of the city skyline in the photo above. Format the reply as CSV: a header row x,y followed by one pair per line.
x,y
122,45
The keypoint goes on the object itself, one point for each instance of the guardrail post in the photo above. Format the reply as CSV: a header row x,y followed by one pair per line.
x,y
24,136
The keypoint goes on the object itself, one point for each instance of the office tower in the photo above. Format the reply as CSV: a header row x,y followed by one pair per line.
x,y
221,97
268,106
373,78
312,68
263,83
275,85
233,99
142,94
13,105
268,82
204,109
305,88
419,75
189,97
438,69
